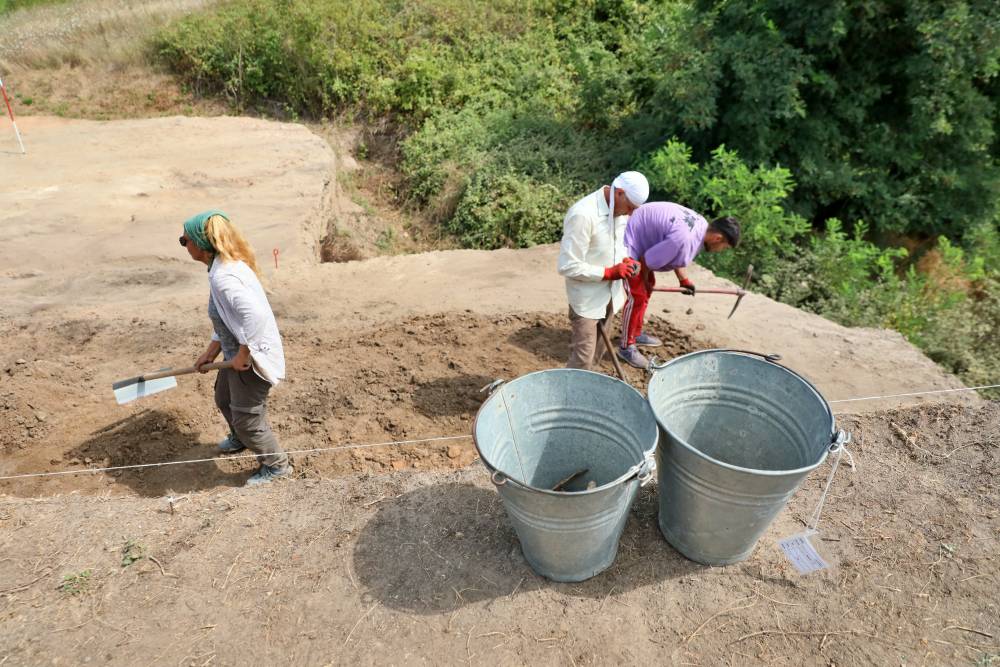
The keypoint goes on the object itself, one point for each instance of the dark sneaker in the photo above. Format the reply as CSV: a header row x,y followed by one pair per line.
x,y
267,474
231,445
645,340
633,357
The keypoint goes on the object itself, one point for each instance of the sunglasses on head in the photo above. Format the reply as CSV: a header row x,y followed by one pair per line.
x,y
183,241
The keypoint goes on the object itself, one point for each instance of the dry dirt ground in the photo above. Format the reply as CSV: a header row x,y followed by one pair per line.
x,y
403,554
423,568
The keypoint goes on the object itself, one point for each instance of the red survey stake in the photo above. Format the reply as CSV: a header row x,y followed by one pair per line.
x,y
10,112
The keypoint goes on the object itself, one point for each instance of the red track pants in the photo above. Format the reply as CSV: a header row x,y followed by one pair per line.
x,y
638,288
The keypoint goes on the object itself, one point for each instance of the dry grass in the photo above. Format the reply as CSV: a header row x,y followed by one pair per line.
x,y
92,59
111,32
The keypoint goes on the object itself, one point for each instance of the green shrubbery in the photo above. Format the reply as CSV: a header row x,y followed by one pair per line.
x,y
824,127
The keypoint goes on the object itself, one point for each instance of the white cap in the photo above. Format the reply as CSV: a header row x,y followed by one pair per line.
x,y
634,185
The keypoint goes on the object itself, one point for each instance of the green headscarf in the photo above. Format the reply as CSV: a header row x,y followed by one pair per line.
x,y
194,227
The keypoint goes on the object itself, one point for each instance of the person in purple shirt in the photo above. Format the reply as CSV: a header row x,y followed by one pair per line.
x,y
664,236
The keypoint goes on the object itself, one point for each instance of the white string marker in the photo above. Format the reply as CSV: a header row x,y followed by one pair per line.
x,y
10,112
232,457
396,443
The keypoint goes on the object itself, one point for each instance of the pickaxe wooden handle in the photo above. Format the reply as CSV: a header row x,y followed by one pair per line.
x,y
739,293
678,290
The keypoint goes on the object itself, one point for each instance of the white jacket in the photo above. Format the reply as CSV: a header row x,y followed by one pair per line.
x,y
239,297
590,243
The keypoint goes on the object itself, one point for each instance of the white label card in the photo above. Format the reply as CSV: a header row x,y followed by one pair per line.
x,y
800,552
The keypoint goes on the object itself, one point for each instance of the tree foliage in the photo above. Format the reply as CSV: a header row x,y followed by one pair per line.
x,y
885,110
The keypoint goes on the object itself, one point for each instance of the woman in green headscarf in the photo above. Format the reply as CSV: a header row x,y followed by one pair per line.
x,y
246,333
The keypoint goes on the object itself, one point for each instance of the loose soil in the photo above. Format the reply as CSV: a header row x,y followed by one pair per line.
x,y
417,378
423,567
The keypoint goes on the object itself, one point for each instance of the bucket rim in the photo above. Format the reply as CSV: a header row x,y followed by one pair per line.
x,y
729,466
633,471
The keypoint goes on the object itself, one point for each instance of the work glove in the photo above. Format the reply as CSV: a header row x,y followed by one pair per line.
x,y
688,287
623,271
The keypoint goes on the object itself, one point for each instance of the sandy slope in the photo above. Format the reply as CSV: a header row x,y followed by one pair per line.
x,y
91,215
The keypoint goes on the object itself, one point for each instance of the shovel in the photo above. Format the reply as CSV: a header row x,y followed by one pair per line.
x,y
141,386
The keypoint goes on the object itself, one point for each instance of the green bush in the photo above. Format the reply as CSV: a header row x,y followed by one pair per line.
x,y
505,209
315,57
459,155
725,185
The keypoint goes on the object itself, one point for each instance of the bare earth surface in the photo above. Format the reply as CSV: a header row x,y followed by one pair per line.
x,y
403,554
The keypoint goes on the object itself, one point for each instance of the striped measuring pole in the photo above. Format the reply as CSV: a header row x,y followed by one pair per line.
x,y
10,112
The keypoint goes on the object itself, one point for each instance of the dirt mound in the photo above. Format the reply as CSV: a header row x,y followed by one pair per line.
x,y
417,378
426,566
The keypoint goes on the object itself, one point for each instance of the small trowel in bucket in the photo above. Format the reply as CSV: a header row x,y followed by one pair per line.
x,y
141,386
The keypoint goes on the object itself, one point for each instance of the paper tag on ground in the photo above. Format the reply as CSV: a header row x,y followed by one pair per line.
x,y
801,553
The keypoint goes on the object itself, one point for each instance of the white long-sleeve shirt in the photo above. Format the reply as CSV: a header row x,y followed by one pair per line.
x,y
590,243
239,297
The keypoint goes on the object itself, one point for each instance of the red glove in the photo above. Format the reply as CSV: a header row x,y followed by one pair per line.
x,y
688,287
628,268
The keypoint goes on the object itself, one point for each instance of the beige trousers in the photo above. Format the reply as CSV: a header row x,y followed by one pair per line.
x,y
586,349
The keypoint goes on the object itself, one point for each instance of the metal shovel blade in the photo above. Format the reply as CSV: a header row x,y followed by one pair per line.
x,y
126,392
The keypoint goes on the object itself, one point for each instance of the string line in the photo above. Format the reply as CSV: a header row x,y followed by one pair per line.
x,y
391,443
916,393
234,456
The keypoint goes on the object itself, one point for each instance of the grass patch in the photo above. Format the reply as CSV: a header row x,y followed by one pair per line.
x,y
132,551
91,59
76,583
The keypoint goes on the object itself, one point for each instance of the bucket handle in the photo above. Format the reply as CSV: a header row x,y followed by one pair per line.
x,y
656,364
840,440
492,387
773,357
500,479
645,471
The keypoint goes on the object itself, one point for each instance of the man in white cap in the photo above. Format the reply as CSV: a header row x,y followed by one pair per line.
x,y
594,261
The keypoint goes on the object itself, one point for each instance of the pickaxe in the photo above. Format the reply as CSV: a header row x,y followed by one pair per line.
x,y
738,293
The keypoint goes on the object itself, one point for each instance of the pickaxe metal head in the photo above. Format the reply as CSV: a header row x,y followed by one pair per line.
x,y
743,291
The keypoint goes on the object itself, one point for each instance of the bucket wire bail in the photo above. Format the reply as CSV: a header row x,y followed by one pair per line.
x,y
491,388
657,364
645,471
838,447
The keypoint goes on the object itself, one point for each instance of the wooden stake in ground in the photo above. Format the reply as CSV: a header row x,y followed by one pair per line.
x,y
10,112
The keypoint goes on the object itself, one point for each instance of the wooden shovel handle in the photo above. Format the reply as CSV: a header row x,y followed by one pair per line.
x,y
183,371
611,351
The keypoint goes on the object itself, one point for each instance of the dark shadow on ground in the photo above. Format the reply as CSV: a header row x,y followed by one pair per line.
x,y
441,547
544,341
155,436
450,397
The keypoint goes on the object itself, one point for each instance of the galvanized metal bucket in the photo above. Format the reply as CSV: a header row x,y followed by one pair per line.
x,y
539,429
739,434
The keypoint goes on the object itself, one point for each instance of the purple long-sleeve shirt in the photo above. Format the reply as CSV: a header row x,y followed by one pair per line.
x,y
664,235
